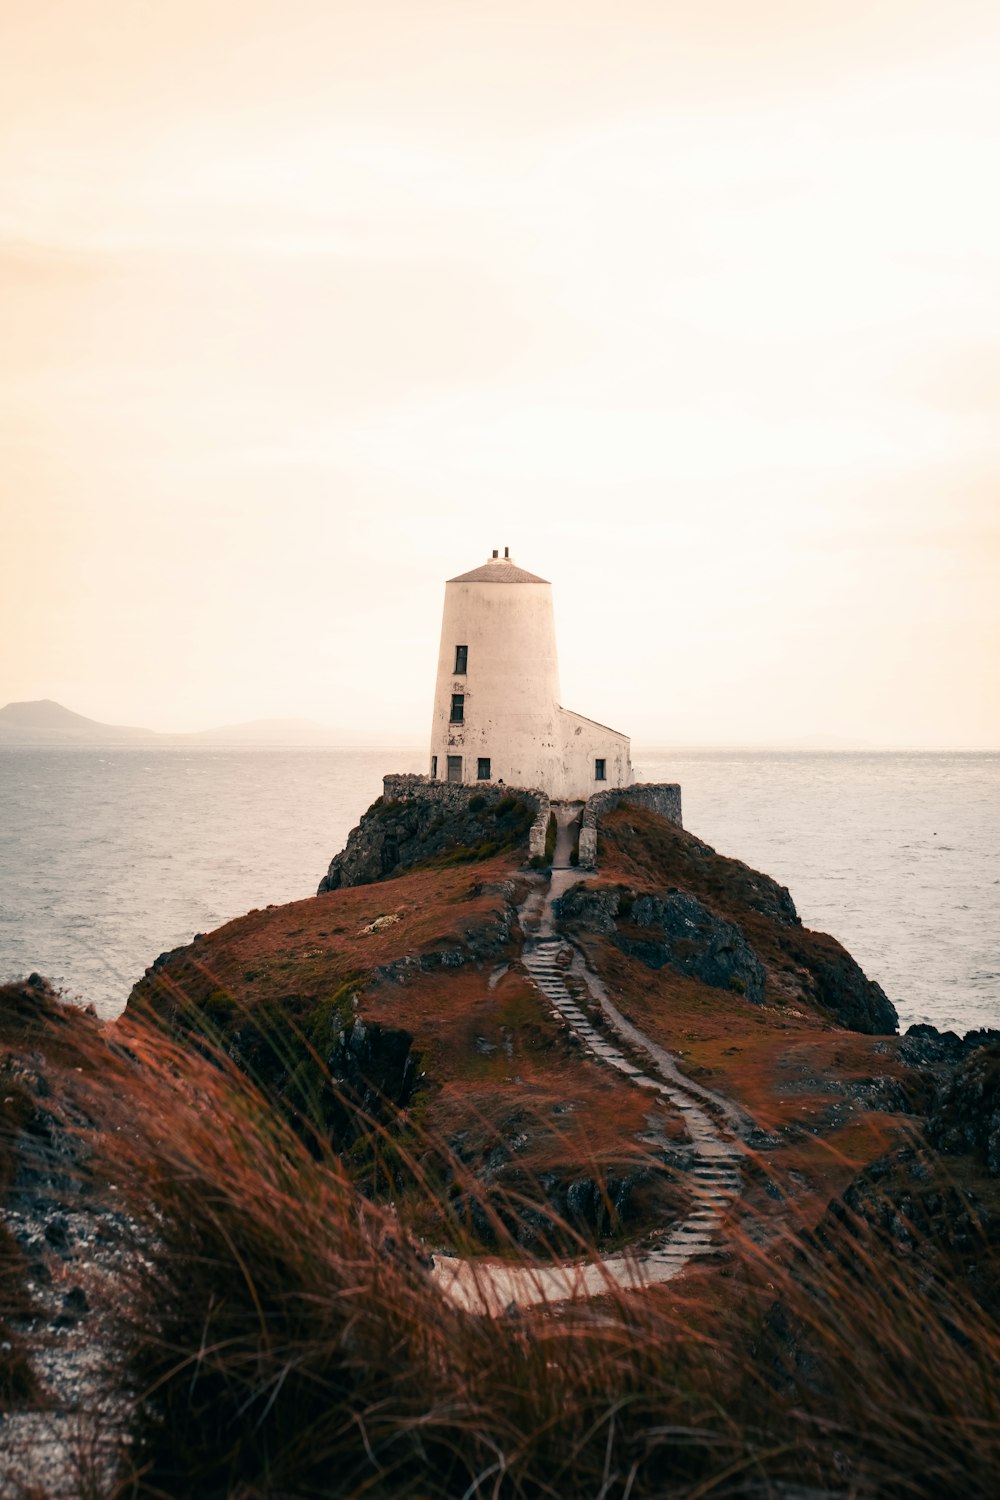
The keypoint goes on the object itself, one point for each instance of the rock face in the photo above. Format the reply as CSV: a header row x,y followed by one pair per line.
x,y
568,1207
373,1066
442,825
58,1228
744,928
965,1115
325,1072
843,988
674,930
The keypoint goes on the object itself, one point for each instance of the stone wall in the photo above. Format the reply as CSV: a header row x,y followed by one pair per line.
x,y
662,797
540,827
450,796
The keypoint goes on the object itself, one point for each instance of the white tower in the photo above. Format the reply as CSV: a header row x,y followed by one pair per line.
x,y
497,715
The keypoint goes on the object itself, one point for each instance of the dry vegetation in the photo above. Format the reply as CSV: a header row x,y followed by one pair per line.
x,y
284,1337
288,1341
497,1092
281,1330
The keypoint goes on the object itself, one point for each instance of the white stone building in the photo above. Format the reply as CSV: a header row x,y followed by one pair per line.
x,y
497,716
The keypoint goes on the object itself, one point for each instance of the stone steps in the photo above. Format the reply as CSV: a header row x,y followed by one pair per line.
x,y
714,1177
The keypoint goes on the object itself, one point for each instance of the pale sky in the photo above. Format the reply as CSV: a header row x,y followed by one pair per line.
x,y
306,306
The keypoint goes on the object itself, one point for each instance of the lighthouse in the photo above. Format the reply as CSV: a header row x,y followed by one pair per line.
x,y
497,714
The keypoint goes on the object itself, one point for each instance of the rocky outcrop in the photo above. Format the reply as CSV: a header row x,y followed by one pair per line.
x,y
656,856
63,1261
555,1210
431,823
842,988
333,1075
374,1066
965,1114
912,1206
935,1051
935,1201
674,931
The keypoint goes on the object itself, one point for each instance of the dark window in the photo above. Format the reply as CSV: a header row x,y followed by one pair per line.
x,y
484,768
458,708
461,660
434,767
454,768
600,771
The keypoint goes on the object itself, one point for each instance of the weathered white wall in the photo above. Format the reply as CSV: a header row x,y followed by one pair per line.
x,y
511,688
583,742
512,684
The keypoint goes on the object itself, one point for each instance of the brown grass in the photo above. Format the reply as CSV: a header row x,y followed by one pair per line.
x,y
289,1343
504,1089
804,968
284,1339
788,1066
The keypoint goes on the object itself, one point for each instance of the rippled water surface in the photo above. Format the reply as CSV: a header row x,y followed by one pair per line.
x,y
107,856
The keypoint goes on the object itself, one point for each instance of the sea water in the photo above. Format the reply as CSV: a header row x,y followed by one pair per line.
x,y
109,856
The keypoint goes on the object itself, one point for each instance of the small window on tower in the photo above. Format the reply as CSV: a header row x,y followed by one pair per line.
x,y
434,767
484,768
454,768
461,660
458,708
600,771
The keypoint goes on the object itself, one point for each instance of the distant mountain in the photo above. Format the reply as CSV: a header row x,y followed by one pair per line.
x,y
44,721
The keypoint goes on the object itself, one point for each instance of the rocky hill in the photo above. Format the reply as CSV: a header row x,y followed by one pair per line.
x,y
401,983
264,1258
405,993
453,826
678,906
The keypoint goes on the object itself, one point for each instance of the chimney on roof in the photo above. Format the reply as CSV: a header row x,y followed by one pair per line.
x,y
495,552
506,552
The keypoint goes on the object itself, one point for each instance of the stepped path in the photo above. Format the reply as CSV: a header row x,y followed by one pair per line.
x,y
562,974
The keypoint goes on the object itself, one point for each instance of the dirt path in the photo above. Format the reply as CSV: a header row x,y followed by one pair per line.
x,y
562,975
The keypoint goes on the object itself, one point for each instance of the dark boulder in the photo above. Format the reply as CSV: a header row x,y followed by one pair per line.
x,y
552,1212
841,987
924,1046
965,1115
673,931
692,940
335,1078
375,1064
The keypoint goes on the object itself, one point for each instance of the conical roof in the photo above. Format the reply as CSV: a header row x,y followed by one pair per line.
x,y
498,570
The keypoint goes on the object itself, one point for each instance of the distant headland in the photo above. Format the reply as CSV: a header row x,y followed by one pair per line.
x,y
43,722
